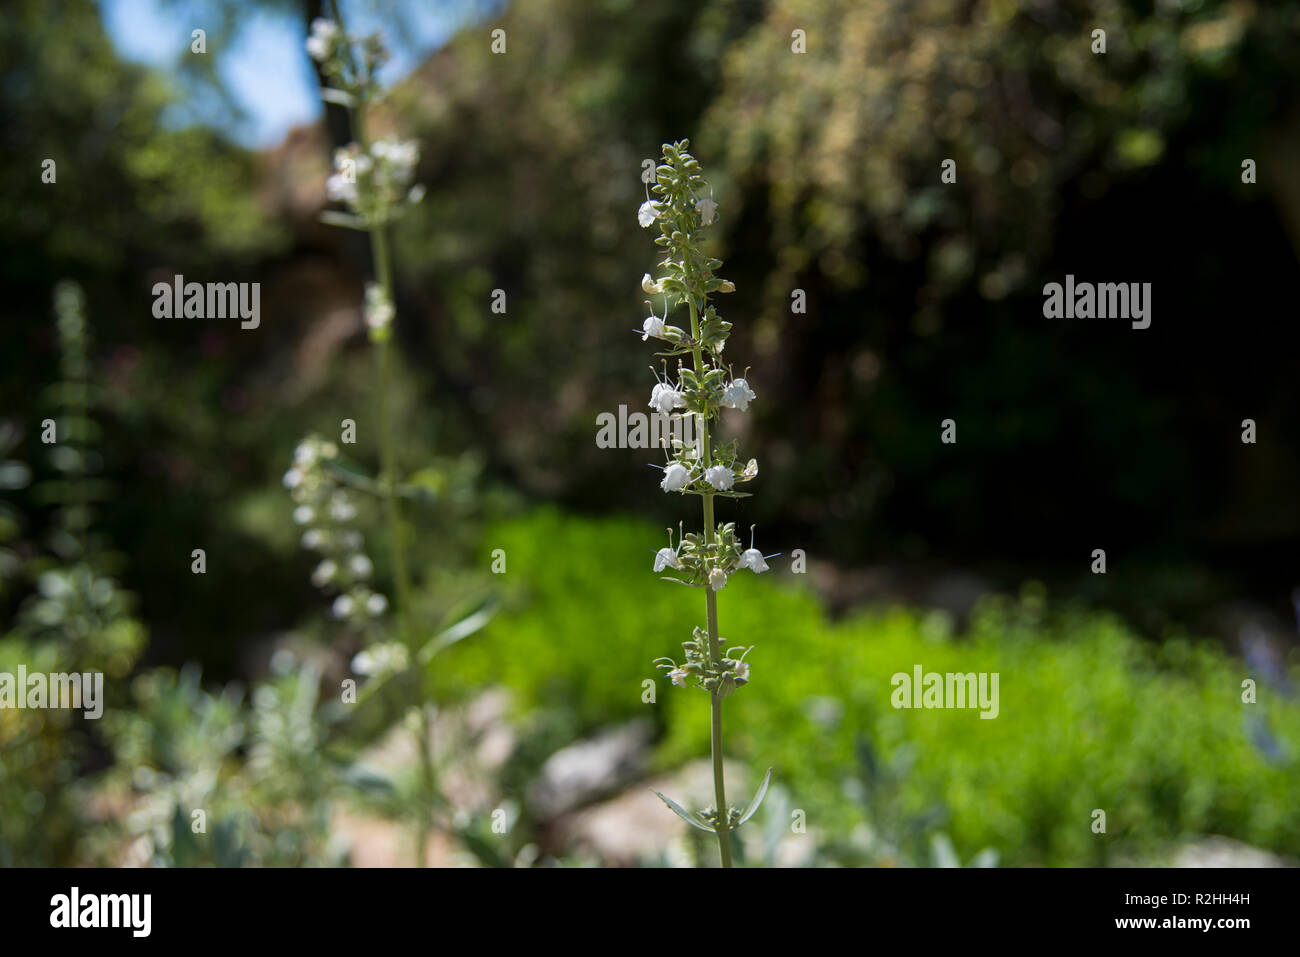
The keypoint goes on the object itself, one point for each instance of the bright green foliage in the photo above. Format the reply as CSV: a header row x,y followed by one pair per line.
x,y
1090,715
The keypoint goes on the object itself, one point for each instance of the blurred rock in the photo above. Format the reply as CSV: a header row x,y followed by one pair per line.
x,y
590,769
1215,851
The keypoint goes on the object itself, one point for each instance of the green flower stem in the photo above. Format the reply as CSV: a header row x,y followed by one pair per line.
x,y
711,615
382,261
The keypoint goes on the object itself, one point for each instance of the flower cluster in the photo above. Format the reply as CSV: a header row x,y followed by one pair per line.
x,y
375,184
704,387
721,675
326,511
373,180
379,312
350,62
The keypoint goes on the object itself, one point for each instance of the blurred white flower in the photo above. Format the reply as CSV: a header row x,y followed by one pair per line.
x,y
379,310
324,573
376,604
360,566
707,209
343,606
304,514
320,44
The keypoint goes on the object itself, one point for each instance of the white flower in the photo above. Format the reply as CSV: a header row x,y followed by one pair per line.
x,y
379,310
737,395
648,213
720,477
666,558
376,604
343,606
341,189
312,539
707,209
678,677
324,573
321,42
665,398
304,455
360,566
675,477
752,559
304,514
717,579
653,326
649,285
292,478
741,671
364,663
341,510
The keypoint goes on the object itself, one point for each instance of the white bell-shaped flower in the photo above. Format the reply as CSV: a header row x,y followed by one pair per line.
x,y
666,558
720,477
737,395
675,477
664,398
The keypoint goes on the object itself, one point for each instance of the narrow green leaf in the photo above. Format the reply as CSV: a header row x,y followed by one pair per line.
x,y
758,799
457,632
332,217
691,819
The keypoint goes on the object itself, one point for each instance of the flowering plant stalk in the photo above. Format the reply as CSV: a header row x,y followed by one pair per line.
x,y
683,207
372,179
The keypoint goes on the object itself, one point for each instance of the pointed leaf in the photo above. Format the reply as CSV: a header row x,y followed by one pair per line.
x,y
457,632
758,799
332,217
691,819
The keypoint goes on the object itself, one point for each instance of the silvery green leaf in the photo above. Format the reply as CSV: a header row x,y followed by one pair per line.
x,y
341,97
332,217
758,799
692,819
